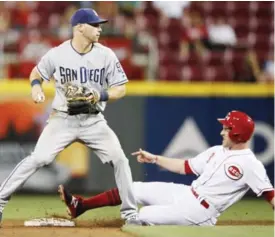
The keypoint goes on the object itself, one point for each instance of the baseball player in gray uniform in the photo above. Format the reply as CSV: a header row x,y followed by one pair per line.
x,y
87,75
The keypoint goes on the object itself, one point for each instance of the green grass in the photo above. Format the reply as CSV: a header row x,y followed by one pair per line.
x,y
249,209
25,207
217,231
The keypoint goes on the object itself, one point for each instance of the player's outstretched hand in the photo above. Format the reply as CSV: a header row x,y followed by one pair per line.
x,y
144,156
38,94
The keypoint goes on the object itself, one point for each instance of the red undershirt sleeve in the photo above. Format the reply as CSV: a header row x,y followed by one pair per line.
x,y
187,167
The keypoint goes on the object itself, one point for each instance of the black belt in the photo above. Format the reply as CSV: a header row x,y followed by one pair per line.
x,y
203,202
88,112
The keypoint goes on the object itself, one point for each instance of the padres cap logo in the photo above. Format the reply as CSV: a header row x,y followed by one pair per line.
x,y
233,171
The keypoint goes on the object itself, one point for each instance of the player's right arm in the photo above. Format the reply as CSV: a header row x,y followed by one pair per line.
x,y
36,82
42,71
179,166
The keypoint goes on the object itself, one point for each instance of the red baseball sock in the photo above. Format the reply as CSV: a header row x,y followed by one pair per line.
x,y
109,198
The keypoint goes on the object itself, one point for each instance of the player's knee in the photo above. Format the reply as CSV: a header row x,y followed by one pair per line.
x,y
41,160
138,192
146,215
119,157
120,161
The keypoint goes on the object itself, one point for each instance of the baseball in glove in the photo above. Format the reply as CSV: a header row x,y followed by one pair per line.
x,y
81,100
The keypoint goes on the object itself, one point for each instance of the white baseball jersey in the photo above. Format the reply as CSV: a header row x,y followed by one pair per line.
x,y
226,175
99,69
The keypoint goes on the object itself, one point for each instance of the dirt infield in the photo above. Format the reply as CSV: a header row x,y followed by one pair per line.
x,y
83,229
102,228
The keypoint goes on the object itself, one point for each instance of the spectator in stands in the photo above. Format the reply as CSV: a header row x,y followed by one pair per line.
x,y
126,19
54,23
173,9
4,18
194,34
20,12
33,20
8,36
108,10
65,31
221,34
251,71
35,48
267,74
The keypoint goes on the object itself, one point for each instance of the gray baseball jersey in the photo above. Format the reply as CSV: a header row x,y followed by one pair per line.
x,y
99,69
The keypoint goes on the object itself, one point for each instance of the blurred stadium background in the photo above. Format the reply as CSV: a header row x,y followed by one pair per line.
x,y
177,41
203,58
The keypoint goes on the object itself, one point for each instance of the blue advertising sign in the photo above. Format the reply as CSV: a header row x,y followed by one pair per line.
x,y
182,127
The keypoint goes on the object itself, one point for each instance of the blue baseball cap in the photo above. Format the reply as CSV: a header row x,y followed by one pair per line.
x,y
86,16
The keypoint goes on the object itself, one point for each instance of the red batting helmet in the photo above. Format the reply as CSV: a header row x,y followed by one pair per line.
x,y
242,126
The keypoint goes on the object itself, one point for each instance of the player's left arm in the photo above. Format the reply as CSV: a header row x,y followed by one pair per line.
x,y
111,94
116,79
257,179
116,92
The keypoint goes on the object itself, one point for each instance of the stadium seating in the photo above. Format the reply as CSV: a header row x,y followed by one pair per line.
x,y
253,23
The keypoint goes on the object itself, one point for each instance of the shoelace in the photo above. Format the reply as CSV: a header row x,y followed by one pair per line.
x,y
133,217
2,205
1,208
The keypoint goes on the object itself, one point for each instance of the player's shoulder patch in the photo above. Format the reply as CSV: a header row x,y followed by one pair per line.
x,y
233,171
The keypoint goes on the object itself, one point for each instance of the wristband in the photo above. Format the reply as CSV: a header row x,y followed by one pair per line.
x,y
104,96
35,82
